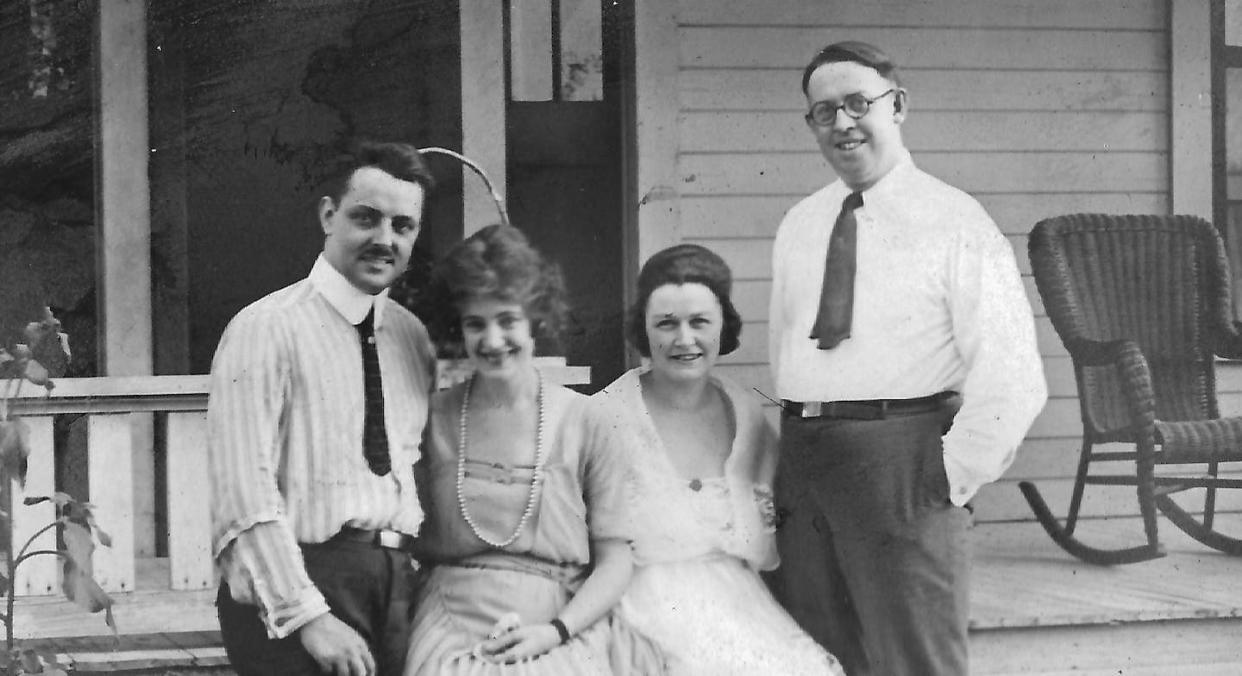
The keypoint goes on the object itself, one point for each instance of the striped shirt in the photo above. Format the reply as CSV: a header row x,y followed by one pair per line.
x,y
285,430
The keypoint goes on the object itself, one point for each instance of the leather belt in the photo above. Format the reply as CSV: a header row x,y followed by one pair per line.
x,y
871,409
388,539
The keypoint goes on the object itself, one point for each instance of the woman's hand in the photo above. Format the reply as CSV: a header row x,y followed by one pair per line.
x,y
521,643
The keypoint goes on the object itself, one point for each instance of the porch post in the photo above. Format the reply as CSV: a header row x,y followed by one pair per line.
x,y
123,206
1190,108
482,108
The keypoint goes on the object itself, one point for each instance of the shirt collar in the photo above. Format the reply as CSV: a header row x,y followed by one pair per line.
x,y
351,302
890,183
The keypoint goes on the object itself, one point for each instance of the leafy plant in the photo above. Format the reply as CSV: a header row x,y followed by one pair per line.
x,y
44,355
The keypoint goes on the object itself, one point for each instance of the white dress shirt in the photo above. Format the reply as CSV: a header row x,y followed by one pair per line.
x,y
938,305
285,421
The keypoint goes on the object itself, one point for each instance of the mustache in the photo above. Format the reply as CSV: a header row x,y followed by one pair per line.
x,y
380,250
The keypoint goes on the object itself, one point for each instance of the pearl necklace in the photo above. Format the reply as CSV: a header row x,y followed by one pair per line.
x,y
535,480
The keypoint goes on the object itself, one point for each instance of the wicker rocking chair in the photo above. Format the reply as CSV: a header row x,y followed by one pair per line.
x,y
1142,305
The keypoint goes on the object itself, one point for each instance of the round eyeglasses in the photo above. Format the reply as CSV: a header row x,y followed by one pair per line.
x,y
824,113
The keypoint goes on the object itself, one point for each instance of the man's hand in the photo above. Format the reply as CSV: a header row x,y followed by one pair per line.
x,y
336,647
521,643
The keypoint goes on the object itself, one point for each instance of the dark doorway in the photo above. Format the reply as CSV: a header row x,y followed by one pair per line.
x,y
567,181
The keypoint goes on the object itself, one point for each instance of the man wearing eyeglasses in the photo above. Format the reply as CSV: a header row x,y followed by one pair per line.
x,y
903,350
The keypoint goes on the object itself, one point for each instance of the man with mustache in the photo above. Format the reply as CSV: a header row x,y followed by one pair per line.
x,y
895,301
319,395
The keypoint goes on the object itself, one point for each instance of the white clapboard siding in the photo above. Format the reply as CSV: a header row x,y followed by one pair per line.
x,y
714,216
1073,14
1036,107
1055,171
939,90
999,48
934,131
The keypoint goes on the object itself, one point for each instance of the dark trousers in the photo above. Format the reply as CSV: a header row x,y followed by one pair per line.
x,y
874,558
367,587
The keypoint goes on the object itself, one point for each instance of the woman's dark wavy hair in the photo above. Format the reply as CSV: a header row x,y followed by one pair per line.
x,y
496,262
684,264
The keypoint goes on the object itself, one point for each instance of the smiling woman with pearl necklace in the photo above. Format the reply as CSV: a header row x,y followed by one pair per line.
x,y
527,534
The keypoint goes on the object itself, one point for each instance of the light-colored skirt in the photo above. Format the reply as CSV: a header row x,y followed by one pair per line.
x,y
459,604
715,616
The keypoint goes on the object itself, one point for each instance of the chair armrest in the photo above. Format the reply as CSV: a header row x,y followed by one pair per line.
x,y
1229,343
1132,369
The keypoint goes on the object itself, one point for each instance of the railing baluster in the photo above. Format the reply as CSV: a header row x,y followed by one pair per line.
x,y
110,461
39,575
189,515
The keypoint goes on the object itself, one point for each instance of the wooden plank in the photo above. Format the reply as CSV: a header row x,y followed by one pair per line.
x,y
656,107
1003,501
189,522
1191,78
942,48
1021,579
39,575
799,174
1208,647
482,108
124,196
931,131
1060,419
111,470
712,216
751,297
1072,14
136,613
930,89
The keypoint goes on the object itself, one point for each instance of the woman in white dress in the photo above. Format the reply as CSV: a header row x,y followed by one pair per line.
x,y
701,485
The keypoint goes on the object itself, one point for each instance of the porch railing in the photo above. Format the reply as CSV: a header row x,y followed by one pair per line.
x,y
114,407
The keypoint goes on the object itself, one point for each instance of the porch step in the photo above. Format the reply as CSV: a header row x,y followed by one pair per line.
x,y
1206,647
184,653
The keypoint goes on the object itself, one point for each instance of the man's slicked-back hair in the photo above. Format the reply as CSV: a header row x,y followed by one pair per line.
x,y
401,160
852,50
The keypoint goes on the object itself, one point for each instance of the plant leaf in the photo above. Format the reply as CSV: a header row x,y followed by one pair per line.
x,y
30,662
48,344
38,374
79,583
14,448
83,514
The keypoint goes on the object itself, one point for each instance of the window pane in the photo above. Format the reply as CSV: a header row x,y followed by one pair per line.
x,y
1233,22
47,164
582,63
530,50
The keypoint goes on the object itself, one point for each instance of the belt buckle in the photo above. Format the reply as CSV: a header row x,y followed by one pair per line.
x,y
388,538
812,409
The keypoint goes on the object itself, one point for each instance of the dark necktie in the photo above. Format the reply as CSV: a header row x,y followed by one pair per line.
x,y
374,435
836,297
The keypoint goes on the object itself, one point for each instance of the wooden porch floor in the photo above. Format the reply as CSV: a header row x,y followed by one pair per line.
x,y
1035,610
